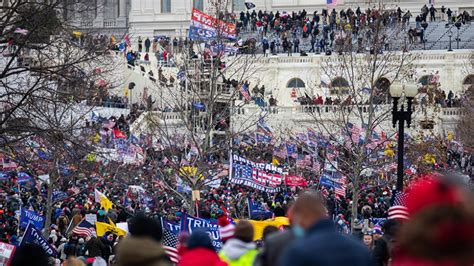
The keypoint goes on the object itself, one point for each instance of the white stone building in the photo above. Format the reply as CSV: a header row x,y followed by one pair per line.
x,y
171,17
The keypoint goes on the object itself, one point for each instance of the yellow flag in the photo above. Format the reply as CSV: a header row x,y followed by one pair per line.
x,y
103,200
275,161
102,228
126,92
450,136
258,226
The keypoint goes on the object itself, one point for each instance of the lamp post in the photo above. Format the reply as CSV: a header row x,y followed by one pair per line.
x,y
402,116
450,34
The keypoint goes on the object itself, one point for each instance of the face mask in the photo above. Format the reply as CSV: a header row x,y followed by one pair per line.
x,y
298,231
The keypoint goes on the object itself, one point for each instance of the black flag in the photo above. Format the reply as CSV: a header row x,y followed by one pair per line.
x,y
249,5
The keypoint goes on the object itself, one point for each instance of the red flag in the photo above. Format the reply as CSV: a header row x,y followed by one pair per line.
x,y
118,134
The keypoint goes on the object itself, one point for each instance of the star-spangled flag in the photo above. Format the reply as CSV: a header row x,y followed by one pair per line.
x,y
170,244
84,228
249,5
244,90
398,210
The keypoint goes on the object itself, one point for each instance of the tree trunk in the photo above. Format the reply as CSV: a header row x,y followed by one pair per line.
x,y
355,199
49,209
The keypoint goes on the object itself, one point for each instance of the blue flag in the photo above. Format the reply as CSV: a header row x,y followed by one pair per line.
x,y
256,210
31,217
190,223
172,227
59,196
34,236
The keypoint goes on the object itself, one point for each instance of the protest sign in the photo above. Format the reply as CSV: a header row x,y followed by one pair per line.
x,y
190,223
27,217
295,181
34,236
91,218
6,253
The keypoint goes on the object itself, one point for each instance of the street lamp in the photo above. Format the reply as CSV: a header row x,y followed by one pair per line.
x,y
402,116
450,34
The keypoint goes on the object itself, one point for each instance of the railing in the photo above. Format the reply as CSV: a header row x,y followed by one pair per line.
x,y
452,111
110,23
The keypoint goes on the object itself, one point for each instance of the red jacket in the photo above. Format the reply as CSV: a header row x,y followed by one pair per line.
x,y
201,257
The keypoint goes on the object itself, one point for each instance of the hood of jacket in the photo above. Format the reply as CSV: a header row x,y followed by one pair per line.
x,y
140,251
234,248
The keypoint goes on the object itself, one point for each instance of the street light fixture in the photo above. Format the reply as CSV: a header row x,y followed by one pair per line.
x,y
450,35
401,116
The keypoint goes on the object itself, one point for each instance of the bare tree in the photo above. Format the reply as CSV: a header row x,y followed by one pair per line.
x,y
45,61
358,77
192,128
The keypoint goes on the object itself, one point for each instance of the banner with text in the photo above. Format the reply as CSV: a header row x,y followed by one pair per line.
x,y
204,27
27,217
34,236
261,176
190,223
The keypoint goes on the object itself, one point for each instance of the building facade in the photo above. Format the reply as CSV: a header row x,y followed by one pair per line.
x,y
171,17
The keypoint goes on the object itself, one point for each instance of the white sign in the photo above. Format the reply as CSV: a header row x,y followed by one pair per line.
x,y
91,218
6,252
44,178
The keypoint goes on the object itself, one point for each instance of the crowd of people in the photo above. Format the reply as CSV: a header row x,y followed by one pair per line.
x,y
330,30
315,236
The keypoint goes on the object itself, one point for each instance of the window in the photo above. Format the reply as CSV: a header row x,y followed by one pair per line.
x,y
339,85
469,80
295,83
165,6
198,4
382,84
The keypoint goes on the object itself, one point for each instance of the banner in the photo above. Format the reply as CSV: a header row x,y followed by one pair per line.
x,y
190,223
261,176
59,196
102,228
204,27
295,181
6,253
258,226
257,210
34,236
172,227
31,217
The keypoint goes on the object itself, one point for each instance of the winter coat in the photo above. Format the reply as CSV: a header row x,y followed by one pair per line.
x,y
142,251
201,257
319,246
238,253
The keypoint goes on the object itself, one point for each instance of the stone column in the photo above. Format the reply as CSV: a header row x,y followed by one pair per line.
x,y
123,8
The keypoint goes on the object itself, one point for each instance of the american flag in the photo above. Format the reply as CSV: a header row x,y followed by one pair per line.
x,y
266,178
170,244
257,175
84,228
398,209
244,90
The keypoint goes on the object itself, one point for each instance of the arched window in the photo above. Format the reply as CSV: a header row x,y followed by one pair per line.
x,y
339,85
469,80
382,84
425,80
295,83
